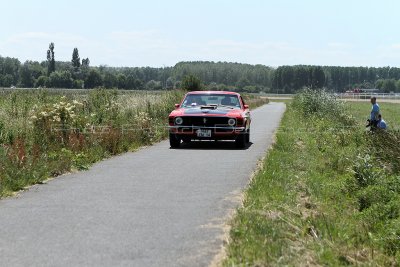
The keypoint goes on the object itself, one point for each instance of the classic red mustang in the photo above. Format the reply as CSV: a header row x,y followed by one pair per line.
x,y
210,115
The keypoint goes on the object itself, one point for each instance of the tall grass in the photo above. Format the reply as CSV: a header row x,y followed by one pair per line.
x,y
43,134
328,193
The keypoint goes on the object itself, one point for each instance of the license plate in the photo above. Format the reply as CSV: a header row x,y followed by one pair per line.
x,y
203,133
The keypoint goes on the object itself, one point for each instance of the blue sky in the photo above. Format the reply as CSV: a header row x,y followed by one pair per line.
x,y
161,33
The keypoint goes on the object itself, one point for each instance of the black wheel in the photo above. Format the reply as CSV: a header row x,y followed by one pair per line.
x,y
174,141
241,140
248,136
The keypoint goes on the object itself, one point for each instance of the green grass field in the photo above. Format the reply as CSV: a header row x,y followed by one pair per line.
x,y
326,194
390,112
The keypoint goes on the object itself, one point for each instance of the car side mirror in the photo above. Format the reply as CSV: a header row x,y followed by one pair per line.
x,y
246,106
176,105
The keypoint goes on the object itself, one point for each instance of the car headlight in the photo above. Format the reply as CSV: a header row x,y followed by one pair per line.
x,y
178,120
231,122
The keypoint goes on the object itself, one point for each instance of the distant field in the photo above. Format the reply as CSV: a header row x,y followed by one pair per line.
x,y
390,112
360,108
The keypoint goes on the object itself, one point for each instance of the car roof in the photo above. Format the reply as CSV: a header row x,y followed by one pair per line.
x,y
212,92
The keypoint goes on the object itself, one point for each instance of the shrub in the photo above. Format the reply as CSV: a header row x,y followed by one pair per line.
x,y
191,83
383,145
322,104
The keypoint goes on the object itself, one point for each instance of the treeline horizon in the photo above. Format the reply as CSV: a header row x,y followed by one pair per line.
x,y
242,77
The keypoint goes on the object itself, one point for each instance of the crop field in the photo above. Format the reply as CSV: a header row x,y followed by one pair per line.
x,y
328,192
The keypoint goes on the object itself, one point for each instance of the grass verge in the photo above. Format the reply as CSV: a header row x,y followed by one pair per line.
x,y
327,193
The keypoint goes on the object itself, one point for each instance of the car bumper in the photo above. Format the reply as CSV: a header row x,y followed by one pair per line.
x,y
216,132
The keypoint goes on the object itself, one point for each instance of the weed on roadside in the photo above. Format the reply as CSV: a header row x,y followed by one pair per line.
x,y
328,193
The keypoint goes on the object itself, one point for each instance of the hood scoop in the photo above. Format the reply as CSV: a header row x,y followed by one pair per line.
x,y
209,107
206,109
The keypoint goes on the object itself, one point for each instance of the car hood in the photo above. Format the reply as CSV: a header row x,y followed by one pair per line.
x,y
198,111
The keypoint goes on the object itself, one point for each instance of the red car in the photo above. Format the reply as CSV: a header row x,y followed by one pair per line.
x,y
210,115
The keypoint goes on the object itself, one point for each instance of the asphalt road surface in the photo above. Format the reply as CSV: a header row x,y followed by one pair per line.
x,y
154,207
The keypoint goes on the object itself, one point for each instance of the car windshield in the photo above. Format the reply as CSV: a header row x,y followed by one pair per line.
x,y
220,100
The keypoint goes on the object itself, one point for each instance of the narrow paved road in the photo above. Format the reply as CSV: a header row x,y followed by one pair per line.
x,y
154,207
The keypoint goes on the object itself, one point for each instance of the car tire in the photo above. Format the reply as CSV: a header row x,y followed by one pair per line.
x,y
240,141
248,136
174,141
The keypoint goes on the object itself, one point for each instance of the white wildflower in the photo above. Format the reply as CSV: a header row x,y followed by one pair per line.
x,y
75,102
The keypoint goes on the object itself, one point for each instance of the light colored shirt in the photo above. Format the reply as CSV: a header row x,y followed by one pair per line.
x,y
374,112
382,124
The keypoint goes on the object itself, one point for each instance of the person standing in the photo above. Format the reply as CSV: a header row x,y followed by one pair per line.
x,y
374,112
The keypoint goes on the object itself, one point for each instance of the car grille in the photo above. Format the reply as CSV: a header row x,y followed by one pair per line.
x,y
209,121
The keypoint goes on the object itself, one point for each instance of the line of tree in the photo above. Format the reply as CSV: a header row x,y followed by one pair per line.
x,y
78,73
289,79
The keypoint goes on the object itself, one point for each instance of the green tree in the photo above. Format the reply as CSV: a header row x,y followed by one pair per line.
x,y
93,79
85,62
389,85
121,81
26,79
191,83
29,72
169,84
6,80
130,81
76,60
317,77
59,79
41,81
243,82
110,80
10,66
379,84
78,84
153,85
51,63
